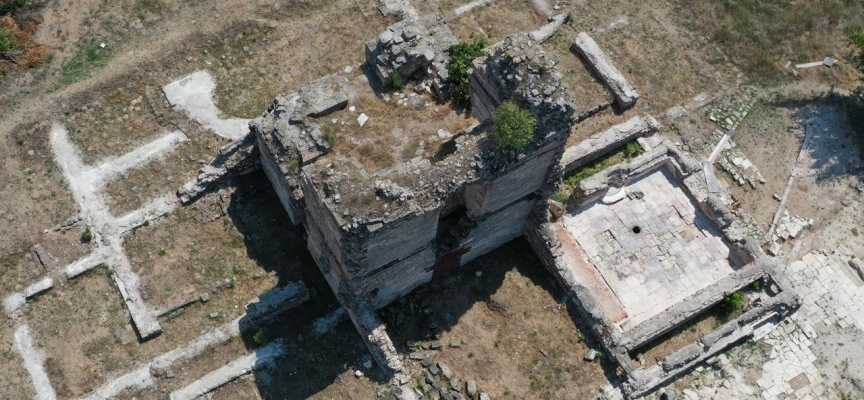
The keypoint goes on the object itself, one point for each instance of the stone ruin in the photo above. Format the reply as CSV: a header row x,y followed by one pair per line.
x,y
412,47
376,236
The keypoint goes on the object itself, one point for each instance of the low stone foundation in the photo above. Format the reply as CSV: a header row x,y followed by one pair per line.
x,y
601,307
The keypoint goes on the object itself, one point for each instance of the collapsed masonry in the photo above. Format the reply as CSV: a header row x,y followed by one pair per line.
x,y
377,236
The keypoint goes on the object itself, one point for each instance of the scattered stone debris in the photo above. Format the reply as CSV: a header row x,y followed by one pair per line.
x,y
362,119
730,113
733,161
790,226
392,192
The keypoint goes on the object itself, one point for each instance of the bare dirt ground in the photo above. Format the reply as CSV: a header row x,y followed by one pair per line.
x,y
507,329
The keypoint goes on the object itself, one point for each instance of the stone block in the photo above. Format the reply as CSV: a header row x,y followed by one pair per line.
x,y
587,48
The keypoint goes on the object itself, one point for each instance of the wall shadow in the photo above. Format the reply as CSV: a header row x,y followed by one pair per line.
x,y
308,364
416,322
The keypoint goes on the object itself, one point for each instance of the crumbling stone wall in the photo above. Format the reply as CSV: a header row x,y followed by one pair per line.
x,y
236,158
288,139
413,47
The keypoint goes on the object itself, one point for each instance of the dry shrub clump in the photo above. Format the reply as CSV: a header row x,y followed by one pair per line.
x,y
17,51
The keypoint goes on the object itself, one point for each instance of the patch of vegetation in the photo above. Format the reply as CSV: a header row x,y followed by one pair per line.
x,y
760,35
329,135
561,196
512,126
379,156
461,56
857,39
260,338
756,286
86,236
17,52
11,6
6,42
733,302
409,150
87,58
624,154
397,82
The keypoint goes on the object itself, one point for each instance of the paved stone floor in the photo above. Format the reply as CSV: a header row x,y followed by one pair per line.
x,y
675,253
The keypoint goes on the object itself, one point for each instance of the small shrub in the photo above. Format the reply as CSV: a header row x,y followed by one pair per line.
x,y
570,20
512,126
161,252
86,236
397,82
561,196
329,135
461,56
756,286
625,154
260,338
733,302
6,41
633,150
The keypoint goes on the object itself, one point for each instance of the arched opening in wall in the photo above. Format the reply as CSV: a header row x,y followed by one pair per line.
x,y
450,232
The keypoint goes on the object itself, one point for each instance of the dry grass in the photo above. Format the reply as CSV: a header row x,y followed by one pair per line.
x,y
239,235
33,197
165,175
760,36
76,328
518,339
116,117
587,91
496,20
394,133
264,60
771,139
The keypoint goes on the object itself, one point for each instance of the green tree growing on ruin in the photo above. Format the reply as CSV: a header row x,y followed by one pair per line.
x,y
512,126
461,56
397,82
